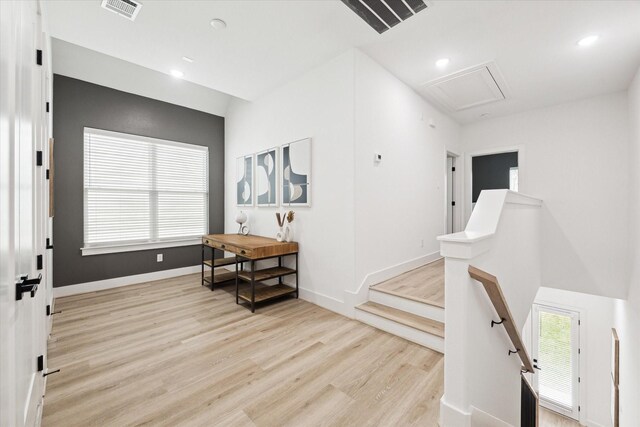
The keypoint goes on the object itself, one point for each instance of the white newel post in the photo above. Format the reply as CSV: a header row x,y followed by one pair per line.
x,y
481,381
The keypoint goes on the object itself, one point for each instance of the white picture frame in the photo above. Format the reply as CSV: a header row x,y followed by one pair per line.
x,y
295,173
244,180
267,178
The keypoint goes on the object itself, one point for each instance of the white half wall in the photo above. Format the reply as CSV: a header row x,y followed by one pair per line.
x,y
400,201
575,159
319,105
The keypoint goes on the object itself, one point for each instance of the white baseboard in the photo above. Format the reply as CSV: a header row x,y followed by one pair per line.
x,y
324,301
360,295
116,282
483,419
451,416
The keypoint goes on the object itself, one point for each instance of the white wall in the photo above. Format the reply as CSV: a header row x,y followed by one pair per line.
x,y
596,321
364,218
400,202
319,105
628,312
575,159
85,64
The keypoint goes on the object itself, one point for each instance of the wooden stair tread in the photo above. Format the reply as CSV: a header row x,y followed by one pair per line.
x,y
265,292
408,319
220,277
266,273
220,262
424,284
409,297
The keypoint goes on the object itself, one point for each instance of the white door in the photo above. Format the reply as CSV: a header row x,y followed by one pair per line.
x,y
21,319
556,351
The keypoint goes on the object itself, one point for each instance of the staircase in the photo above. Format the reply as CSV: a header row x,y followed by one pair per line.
x,y
410,306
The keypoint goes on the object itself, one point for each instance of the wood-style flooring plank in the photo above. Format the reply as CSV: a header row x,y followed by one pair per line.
x,y
424,284
173,353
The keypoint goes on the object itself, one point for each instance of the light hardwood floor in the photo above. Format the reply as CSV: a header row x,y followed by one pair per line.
x,y
171,352
423,284
551,419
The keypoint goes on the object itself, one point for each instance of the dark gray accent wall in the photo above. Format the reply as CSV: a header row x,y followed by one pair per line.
x,y
77,104
491,172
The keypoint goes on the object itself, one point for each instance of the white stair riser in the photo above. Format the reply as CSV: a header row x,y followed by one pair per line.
x,y
410,306
417,336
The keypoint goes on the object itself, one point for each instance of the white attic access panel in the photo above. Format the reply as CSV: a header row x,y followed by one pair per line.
x,y
468,88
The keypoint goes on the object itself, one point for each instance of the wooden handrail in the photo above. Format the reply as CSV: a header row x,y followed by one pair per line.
x,y
492,287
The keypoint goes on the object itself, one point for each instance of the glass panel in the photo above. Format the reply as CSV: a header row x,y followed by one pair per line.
x,y
513,179
555,358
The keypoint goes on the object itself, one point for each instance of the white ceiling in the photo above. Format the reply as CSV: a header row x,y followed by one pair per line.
x,y
265,44
532,42
270,42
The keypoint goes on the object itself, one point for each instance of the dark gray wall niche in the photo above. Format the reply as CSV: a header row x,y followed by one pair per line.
x,y
491,172
77,104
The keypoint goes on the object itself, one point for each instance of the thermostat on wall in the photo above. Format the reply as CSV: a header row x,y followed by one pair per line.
x,y
377,157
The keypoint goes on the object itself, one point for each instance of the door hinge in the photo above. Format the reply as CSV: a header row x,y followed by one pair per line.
x,y
39,262
578,351
578,379
41,363
47,104
47,174
38,158
453,203
48,310
453,169
49,244
39,56
578,408
578,322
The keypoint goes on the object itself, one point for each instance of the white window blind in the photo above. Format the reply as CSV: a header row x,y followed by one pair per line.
x,y
140,190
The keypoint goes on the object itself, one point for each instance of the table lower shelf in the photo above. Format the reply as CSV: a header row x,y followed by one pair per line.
x,y
265,292
220,276
219,262
266,273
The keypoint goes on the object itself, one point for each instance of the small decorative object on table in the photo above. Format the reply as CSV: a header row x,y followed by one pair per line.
x,y
289,230
284,234
241,218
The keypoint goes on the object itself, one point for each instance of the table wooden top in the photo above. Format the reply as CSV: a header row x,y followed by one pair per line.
x,y
252,247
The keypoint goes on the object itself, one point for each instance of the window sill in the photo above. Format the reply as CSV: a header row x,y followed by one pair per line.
x,y
99,250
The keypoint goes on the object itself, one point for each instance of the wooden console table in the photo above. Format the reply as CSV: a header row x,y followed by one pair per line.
x,y
250,249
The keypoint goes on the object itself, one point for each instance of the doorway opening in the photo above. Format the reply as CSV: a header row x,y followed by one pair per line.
x,y
451,213
493,169
556,351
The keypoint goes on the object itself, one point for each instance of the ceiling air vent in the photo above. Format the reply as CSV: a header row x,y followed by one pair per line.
x,y
468,88
127,8
381,15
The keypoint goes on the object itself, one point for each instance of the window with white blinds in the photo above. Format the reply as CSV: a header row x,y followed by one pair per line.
x,y
142,192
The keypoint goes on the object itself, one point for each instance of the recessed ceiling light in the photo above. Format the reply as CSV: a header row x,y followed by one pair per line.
x,y
177,73
588,41
218,24
443,62
186,58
